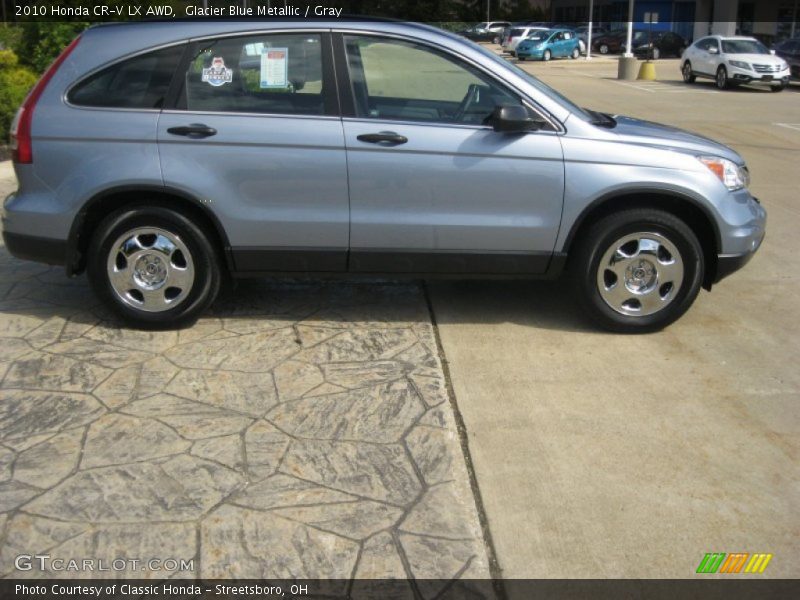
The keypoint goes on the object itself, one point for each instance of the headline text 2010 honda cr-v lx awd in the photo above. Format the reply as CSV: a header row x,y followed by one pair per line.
x,y
160,156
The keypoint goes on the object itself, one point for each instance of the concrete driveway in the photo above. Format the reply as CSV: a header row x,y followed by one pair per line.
x,y
300,430
602,455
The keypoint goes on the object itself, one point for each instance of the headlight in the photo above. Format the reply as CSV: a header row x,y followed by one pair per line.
x,y
739,64
784,66
729,173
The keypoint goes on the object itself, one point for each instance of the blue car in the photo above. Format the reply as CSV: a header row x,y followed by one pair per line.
x,y
553,43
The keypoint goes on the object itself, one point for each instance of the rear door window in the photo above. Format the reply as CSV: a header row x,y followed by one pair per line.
x,y
140,82
269,73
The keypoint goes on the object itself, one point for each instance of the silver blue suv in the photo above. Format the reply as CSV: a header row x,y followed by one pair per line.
x,y
160,157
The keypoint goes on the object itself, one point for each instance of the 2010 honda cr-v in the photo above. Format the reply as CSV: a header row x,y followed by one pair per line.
x,y
159,156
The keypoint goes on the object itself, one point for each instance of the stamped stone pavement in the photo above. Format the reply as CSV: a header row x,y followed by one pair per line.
x,y
298,430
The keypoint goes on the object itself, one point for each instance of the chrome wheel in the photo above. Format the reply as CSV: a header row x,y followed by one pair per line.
x,y
150,269
547,55
640,274
722,78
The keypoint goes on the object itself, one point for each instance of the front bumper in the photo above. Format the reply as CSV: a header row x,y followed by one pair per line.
x,y
530,53
746,76
750,242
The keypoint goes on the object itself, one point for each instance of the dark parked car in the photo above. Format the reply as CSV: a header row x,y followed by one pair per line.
x,y
789,50
665,43
614,42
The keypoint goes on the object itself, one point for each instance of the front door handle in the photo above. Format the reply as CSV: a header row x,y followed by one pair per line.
x,y
384,137
194,131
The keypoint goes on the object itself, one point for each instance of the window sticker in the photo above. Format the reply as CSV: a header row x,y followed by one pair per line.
x,y
275,68
217,74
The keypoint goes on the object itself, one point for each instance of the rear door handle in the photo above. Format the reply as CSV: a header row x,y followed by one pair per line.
x,y
194,131
384,137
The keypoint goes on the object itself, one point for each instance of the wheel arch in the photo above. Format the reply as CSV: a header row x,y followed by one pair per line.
x,y
104,203
694,214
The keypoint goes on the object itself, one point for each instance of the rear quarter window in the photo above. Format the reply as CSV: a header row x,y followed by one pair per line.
x,y
140,82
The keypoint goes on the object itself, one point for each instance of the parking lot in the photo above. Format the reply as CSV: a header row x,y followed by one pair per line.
x,y
601,455
305,428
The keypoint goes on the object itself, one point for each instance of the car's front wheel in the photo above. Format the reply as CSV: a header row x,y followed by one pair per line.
x,y
153,266
638,270
547,55
604,48
779,88
722,78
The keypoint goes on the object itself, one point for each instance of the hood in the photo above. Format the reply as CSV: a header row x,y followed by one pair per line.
x,y
647,133
760,59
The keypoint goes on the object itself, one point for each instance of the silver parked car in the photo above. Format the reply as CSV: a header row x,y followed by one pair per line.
x,y
159,157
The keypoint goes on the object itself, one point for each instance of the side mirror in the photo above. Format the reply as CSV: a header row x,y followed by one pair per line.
x,y
772,52
513,118
713,50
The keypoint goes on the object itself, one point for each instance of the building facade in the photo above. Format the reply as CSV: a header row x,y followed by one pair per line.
x,y
769,20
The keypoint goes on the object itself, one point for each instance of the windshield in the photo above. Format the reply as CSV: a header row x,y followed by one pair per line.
x,y
539,36
743,47
542,87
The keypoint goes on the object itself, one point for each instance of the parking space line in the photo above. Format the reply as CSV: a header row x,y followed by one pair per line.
x,y
795,126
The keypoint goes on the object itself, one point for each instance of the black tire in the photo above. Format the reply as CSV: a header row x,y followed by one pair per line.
x,y
598,240
204,260
722,78
688,74
779,88
521,58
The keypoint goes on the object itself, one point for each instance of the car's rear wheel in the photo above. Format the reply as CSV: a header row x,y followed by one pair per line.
x,y
656,53
496,40
521,58
547,55
153,266
575,54
637,270
688,74
603,48
722,78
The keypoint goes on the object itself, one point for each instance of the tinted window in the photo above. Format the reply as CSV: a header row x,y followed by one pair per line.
x,y
743,47
406,81
270,73
139,82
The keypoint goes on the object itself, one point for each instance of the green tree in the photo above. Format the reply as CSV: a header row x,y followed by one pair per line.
x,y
15,83
41,42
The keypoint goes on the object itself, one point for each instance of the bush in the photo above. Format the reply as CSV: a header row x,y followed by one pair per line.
x,y
15,83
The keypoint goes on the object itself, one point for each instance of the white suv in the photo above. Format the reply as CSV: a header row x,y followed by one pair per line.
x,y
732,61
